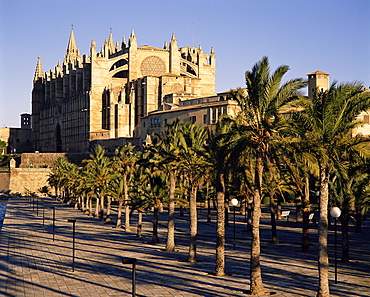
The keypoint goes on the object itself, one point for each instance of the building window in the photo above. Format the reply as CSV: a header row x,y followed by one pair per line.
x,y
366,119
205,119
193,119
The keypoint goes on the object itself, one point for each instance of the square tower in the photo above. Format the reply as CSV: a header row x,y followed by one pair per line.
x,y
317,79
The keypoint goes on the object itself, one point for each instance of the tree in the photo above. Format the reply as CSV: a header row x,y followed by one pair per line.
x,y
193,164
124,162
169,150
152,187
259,123
220,151
329,119
98,175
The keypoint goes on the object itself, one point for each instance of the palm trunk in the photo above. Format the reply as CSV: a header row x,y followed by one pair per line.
x,y
208,199
127,206
155,238
323,261
278,209
193,224
139,223
358,220
101,213
76,206
90,206
119,214
97,207
344,219
170,245
107,217
305,218
220,231
83,203
274,236
256,284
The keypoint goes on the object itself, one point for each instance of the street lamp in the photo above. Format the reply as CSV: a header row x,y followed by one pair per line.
x,y
335,212
234,202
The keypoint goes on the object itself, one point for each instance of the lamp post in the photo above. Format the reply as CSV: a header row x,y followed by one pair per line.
x,y
234,202
335,212
73,245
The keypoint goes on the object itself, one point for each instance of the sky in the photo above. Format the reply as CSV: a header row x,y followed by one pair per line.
x,y
307,35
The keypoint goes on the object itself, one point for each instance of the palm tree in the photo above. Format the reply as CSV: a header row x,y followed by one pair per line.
x,y
344,191
124,162
260,118
169,150
98,175
220,148
152,189
60,177
193,164
329,120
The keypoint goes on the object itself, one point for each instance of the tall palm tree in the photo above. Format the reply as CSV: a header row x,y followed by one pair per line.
x,y
193,164
220,148
260,118
329,119
153,185
169,150
98,175
124,162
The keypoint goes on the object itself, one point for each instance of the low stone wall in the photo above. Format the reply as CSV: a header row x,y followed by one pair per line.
x,y
37,160
21,179
4,180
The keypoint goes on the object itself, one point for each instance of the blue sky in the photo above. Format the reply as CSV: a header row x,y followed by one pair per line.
x,y
327,35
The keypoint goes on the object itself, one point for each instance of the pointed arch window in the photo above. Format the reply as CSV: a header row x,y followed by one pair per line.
x,y
106,110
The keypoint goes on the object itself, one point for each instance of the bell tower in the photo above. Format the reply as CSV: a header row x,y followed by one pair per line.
x,y
317,79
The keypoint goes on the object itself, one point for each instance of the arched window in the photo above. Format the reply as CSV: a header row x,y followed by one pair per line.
x,y
121,74
105,110
118,64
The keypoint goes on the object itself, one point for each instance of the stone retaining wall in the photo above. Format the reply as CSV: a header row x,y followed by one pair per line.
x,y
18,180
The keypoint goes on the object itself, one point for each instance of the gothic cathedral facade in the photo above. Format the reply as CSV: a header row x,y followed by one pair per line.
x,y
104,95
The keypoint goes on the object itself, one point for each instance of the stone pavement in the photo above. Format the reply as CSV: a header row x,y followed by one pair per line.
x,y
32,264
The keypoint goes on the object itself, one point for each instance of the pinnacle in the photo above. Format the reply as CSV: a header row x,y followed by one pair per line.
x,y
38,72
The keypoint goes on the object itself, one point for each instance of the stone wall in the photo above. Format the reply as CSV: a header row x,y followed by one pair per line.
x,y
18,180
4,180
35,160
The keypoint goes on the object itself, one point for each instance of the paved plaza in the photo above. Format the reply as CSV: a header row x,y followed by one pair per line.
x,y
32,264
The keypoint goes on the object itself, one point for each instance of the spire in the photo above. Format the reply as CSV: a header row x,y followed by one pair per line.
x,y
132,41
165,46
111,42
58,69
173,42
38,72
212,57
124,42
93,48
72,52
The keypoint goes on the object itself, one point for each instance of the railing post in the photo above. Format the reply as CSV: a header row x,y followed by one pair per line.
x,y
73,244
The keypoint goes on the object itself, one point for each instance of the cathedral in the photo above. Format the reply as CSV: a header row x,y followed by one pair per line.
x,y
105,95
